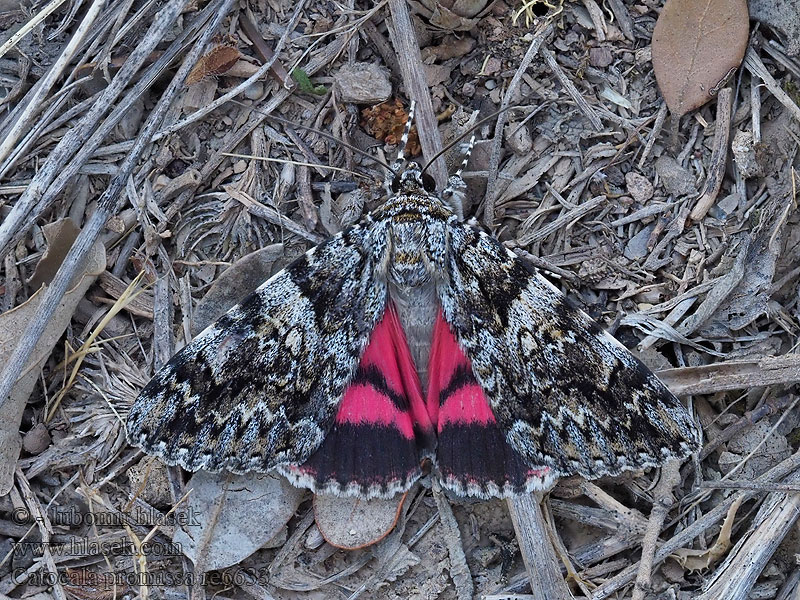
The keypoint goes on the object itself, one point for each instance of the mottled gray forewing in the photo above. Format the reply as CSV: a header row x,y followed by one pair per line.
x,y
566,394
260,387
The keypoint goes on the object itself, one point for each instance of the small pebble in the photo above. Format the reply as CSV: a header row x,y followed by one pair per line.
x,y
639,187
37,440
363,83
254,91
675,179
600,57
518,138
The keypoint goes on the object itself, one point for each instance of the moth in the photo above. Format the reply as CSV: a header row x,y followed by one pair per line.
x,y
412,342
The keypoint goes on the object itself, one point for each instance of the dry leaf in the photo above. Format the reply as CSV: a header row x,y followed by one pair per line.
x,y
218,61
386,121
59,235
353,523
255,508
697,560
697,45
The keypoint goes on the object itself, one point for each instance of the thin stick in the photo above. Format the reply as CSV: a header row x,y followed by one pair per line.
x,y
35,103
719,155
749,485
541,563
459,571
732,375
570,88
754,64
670,477
80,141
29,26
684,536
408,53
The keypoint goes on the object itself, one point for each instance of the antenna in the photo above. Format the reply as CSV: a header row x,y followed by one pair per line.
x,y
465,134
398,162
328,136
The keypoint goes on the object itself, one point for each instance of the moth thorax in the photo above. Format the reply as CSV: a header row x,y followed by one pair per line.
x,y
410,262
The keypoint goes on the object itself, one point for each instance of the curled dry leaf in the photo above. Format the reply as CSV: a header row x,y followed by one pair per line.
x,y
218,61
697,45
353,523
698,560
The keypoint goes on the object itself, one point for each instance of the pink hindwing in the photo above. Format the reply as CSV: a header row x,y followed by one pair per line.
x,y
472,454
381,429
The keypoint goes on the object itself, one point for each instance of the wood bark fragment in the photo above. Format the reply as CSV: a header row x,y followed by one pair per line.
x,y
719,156
541,563
755,107
732,375
408,53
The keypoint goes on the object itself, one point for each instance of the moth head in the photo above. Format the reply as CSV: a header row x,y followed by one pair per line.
x,y
412,179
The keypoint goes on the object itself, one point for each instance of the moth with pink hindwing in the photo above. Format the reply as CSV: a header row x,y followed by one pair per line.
x,y
411,339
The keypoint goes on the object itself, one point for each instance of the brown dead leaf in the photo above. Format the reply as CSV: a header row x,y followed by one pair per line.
x,y
697,45
353,523
218,61
386,121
